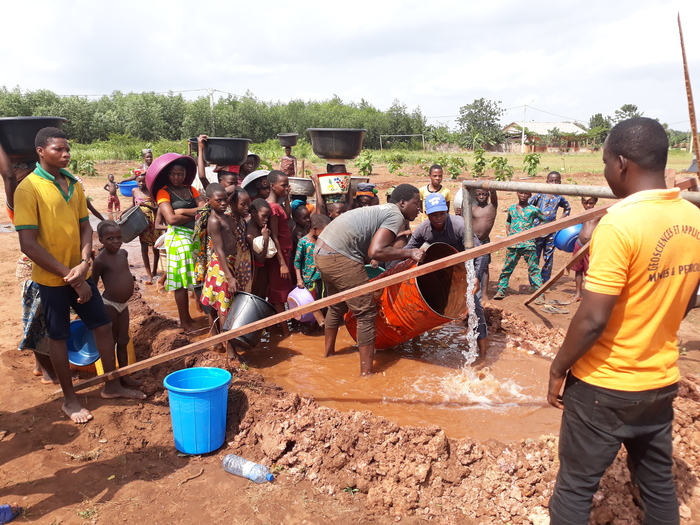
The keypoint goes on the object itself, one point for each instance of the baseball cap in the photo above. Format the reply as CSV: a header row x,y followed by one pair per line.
x,y
435,202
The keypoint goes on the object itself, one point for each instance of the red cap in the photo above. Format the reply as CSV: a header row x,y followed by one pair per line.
x,y
233,168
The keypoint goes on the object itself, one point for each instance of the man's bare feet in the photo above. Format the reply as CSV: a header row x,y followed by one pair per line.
x,y
76,412
48,380
115,389
37,371
577,299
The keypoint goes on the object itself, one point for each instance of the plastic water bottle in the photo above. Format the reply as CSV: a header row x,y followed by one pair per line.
x,y
246,469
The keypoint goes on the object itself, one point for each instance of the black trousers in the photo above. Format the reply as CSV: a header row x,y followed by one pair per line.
x,y
596,422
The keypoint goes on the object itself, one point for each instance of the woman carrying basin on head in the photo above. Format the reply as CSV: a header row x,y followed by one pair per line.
x,y
170,178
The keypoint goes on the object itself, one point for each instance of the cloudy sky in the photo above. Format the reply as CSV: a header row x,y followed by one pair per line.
x,y
569,59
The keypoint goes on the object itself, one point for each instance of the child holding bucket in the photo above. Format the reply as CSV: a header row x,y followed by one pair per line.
x,y
279,278
229,267
112,266
260,244
141,197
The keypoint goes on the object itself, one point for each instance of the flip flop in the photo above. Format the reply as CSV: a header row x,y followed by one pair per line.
x,y
559,303
554,309
7,514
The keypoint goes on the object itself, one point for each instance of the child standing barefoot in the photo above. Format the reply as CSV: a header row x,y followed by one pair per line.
x,y
308,274
260,245
112,265
581,267
521,217
279,278
229,267
113,204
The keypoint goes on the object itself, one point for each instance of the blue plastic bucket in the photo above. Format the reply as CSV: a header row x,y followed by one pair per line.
x,y
198,398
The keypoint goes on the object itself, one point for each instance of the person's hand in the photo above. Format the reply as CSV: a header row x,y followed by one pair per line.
x,y
200,141
84,292
77,274
374,264
300,284
417,255
284,271
232,284
477,285
265,231
556,383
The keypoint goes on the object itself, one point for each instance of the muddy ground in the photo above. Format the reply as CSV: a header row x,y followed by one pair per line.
x,y
331,466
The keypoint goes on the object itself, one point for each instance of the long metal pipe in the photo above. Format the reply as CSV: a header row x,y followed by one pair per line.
x,y
601,192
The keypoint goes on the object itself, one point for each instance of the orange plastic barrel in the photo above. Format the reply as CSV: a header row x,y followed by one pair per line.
x,y
412,307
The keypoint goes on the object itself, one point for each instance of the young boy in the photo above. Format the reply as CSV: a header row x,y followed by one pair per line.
x,y
483,219
548,204
435,186
113,204
112,265
521,217
221,283
51,218
581,267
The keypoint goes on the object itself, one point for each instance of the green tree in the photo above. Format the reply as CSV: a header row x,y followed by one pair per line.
x,y
479,122
598,128
625,112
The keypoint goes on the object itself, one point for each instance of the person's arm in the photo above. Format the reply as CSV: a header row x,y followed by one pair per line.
x,y
94,211
105,188
508,219
274,229
494,198
96,271
214,229
585,329
381,248
320,203
9,178
567,207
201,169
298,262
170,217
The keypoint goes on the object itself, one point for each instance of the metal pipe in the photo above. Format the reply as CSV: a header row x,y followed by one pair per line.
x,y
601,192
466,204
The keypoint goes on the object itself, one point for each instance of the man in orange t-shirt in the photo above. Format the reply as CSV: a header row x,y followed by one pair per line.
x,y
618,362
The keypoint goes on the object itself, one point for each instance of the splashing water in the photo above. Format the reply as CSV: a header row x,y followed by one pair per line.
x,y
481,388
472,352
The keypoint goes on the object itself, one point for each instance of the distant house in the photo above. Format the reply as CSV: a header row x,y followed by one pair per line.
x,y
545,136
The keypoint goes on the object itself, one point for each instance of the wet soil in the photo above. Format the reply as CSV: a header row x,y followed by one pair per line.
x,y
334,464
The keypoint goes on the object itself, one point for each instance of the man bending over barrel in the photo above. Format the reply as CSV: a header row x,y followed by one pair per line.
x,y
342,250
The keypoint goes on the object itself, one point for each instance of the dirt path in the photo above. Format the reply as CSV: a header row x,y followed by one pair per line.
x,y
332,467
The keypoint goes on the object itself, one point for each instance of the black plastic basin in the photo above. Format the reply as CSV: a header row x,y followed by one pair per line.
x,y
220,150
17,135
336,143
288,139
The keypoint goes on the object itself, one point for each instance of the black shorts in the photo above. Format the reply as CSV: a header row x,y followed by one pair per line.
x,y
57,302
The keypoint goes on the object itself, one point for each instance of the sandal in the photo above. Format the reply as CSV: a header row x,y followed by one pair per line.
x,y
499,295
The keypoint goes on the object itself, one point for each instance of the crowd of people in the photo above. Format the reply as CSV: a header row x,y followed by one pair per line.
x,y
615,376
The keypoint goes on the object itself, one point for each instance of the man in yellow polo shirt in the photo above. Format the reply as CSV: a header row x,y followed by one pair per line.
x,y
621,348
51,218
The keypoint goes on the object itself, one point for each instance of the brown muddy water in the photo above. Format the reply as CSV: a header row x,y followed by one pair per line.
x,y
420,383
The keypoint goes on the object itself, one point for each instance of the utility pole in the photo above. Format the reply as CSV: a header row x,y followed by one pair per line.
x,y
211,109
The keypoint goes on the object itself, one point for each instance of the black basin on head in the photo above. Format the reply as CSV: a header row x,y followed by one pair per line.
x,y
288,139
337,143
17,135
220,150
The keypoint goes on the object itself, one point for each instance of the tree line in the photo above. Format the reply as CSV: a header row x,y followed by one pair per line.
x,y
152,116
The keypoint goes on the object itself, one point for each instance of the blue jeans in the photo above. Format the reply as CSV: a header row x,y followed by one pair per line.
x,y
595,423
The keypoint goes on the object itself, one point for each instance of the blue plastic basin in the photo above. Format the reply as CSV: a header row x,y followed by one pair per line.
x,y
127,188
566,239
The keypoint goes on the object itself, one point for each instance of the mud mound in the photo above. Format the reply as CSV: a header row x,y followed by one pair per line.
x,y
533,338
419,471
